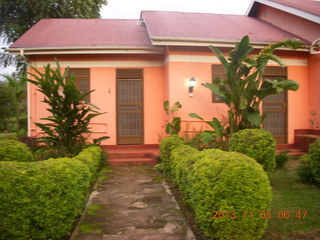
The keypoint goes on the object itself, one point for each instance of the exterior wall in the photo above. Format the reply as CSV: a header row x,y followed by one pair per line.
x,y
182,66
303,28
314,87
103,80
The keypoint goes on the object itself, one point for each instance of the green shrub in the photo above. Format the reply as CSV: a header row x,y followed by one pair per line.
x,y
282,158
41,200
256,143
92,158
166,146
12,150
304,170
314,152
11,136
229,182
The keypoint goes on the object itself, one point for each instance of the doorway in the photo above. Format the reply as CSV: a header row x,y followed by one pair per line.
x,y
130,125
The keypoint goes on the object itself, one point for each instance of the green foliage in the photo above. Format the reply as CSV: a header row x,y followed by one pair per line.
x,y
12,150
42,200
70,115
282,158
174,126
93,159
314,153
256,143
7,103
11,136
18,88
244,87
166,146
304,170
217,137
229,182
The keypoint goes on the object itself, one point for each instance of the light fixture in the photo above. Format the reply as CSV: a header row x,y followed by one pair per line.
x,y
192,83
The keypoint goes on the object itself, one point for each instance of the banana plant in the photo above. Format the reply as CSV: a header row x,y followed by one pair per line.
x,y
172,127
244,88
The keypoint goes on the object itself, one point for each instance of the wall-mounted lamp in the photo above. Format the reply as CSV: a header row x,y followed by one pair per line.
x,y
192,83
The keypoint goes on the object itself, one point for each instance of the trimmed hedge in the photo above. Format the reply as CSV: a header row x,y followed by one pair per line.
x,y
314,153
166,146
256,143
41,200
215,182
12,150
230,182
92,158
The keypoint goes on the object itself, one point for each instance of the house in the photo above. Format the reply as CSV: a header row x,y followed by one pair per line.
x,y
135,65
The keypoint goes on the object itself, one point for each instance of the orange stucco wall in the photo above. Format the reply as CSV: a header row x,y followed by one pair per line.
x,y
103,81
199,67
166,78
314,86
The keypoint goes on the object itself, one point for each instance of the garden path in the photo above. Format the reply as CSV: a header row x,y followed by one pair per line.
x,y
132,203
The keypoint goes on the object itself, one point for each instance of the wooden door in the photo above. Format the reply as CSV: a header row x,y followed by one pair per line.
x,y
130,106
275,108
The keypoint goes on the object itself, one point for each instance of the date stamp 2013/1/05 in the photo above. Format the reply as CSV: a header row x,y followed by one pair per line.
x,y
285,214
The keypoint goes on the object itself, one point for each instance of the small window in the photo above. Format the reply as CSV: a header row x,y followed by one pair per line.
x,y
82,80
217,71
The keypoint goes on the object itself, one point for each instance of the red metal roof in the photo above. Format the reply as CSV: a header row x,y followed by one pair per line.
x,y
183,25
84,33
309,6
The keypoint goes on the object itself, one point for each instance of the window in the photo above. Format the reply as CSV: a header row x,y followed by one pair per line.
x,y
217,71
82,80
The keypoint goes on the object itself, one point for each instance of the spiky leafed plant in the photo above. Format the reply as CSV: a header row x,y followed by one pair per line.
x,y
244,87
68,123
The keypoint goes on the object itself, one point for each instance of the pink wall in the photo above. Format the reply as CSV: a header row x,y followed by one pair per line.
x,y
103,80
303,28
314,89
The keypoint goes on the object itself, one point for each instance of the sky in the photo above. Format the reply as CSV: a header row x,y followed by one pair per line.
x,y
128,9
131,9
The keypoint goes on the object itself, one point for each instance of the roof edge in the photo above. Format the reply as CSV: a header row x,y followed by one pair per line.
x,y
85,50
166,41
292,10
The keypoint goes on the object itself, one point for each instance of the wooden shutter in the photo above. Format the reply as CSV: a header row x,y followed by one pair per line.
x,y
217,71
82,80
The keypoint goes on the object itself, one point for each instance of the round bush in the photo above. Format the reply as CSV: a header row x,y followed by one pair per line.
x,y
230,182
41,200
314,154
256,143
166,146
11,150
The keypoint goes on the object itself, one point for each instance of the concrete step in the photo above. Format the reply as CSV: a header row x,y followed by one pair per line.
x,y
132,161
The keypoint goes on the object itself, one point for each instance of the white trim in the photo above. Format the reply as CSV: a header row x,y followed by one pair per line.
x,y
86,50
214,59
206,42
294,11
29,108
91,64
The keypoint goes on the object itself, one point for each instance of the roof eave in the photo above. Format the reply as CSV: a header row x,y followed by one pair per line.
x,y
201,42
84,50
294,11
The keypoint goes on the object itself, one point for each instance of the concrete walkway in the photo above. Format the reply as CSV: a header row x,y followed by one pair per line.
x,y
132,203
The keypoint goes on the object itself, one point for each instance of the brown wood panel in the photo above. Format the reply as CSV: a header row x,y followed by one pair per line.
x,y
130,125
82,80
275,108
217,71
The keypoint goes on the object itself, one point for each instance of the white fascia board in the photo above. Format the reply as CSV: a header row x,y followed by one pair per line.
x,y
294,11
86,50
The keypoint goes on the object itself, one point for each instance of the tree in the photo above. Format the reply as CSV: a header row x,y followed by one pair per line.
x,y
7,101
244,87
17,16
18,89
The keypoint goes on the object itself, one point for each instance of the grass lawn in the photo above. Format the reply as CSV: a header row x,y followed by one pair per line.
x,y
292,196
